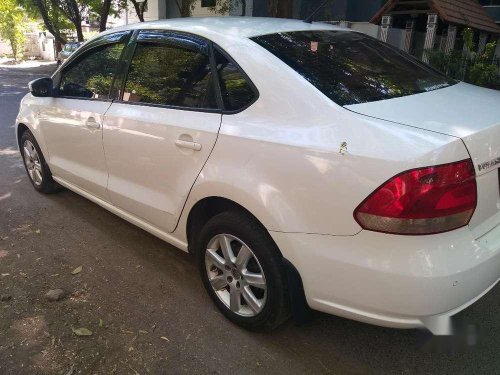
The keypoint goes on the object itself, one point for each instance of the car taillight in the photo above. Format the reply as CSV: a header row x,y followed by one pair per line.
x,y
422,201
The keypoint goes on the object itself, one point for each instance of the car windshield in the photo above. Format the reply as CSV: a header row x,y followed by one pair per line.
x,y
352,68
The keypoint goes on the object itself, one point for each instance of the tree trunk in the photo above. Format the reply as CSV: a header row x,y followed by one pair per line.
x,y
284,9
244,8
45,16
79,31
139,9
103,15
13,47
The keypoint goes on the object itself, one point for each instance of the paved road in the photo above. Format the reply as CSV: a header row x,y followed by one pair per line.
x,y
146,306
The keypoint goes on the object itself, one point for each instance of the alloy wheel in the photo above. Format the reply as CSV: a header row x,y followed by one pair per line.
x,y
33,164
236,275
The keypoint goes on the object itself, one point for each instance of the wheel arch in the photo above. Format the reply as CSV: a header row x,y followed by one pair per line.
x,y
208,207
24,126
21,128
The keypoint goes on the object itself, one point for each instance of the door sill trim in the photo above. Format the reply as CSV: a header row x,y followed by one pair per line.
x,y
125,215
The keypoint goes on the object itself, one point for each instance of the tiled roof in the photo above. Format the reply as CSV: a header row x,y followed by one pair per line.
x,y
460,12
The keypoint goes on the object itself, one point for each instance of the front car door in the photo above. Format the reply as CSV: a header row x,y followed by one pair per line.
x,y
160,133
71,123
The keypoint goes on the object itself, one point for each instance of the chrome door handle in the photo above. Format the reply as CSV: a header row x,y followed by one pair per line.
x,y
92,123
187,144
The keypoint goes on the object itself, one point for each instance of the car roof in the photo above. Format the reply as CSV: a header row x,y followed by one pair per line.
x,y
227,28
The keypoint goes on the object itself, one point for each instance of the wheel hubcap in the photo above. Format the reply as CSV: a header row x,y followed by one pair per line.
x,y
236,275
33,164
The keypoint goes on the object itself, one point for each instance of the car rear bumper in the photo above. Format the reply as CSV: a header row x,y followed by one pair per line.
x,y
394,281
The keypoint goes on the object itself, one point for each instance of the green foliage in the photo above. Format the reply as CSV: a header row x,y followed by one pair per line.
x,y
468,38
483,72
224,6
94,73
152,81
467,65
13,24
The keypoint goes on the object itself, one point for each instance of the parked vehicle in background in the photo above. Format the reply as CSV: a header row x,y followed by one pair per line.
x,y
296,162
67,51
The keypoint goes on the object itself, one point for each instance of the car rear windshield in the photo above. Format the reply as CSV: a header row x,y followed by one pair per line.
x,y
352,68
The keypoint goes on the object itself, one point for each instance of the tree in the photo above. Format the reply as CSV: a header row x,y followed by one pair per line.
x,y
185,7
12,26
54,21
275,8
140,8
73,11
224,6
103,14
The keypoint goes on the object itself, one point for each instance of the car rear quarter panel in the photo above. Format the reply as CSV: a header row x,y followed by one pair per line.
x,y
283,158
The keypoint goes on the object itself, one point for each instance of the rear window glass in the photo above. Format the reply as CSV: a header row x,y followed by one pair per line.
x,y
235,89
352,68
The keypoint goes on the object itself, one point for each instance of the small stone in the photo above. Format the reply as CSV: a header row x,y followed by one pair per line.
x,y
5,297
55,295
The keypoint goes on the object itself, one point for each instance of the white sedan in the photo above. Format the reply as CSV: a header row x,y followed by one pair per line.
x,y
299,163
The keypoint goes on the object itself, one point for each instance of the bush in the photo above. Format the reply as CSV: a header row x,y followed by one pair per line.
x,y
477,69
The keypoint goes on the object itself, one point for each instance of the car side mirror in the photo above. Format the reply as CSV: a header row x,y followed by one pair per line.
x,y
41,87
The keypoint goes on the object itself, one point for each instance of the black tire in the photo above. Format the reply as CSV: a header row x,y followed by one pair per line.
x,y
276,309
47,185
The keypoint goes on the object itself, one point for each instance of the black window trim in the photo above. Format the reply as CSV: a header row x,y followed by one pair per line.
x,y
256,92
97,43
128,54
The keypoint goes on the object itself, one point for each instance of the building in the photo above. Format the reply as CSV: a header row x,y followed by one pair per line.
x,y
339,10
493,9
417,26
412,25
39,44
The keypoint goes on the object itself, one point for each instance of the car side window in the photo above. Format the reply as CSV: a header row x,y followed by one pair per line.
x,y
173,71
91,75
235,89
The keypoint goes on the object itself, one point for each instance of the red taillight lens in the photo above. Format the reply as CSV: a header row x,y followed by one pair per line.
x,y
422,201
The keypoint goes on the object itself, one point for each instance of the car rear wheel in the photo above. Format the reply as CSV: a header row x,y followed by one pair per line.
x,y
242,271
36,167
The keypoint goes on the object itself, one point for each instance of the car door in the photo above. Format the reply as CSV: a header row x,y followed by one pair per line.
x,y
71,123
160,132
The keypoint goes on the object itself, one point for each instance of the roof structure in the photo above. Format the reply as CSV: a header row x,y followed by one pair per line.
x,y
459,12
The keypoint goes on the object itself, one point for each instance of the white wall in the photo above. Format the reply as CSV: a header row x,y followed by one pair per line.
x,y
38,44
366,28
5,48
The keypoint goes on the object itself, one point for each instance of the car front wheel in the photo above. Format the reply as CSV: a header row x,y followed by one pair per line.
x,y
36,167
242,271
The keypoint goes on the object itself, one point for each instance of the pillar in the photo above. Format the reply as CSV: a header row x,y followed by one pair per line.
x,y
408,35
451,36
430,37
483,39
385,27
344,24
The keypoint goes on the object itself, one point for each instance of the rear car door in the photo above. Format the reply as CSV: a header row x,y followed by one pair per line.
x,y
71,123
161,130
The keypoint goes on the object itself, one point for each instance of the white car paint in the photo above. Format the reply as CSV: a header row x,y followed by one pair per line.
x,y
81,163
301,165
150,172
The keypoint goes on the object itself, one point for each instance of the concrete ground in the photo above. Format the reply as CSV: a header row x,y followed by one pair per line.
x,y
146,307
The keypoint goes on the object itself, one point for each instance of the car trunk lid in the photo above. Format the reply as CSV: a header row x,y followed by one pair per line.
x,y
469,112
